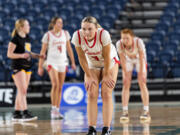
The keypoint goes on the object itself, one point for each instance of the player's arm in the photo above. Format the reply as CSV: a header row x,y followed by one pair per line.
x,y
141,48
107,60
70,53
12,55
83,61
42,53
122,60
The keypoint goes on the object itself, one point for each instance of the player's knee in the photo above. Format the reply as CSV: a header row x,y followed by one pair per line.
x,y
54,85
126,82
92,95
106,95
23,91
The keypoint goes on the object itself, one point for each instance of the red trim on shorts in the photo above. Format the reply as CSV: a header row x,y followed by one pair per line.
x,y
117,61
93,42
100,36
79,37
49,67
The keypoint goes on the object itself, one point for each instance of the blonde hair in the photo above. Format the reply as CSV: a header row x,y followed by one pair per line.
x,y
53,22
91,19
19,24
127,31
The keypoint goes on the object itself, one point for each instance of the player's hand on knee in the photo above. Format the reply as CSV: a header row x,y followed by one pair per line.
x,y
89,82
109,81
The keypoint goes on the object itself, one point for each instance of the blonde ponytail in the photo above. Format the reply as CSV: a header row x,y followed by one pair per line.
x,y
14,32
19,23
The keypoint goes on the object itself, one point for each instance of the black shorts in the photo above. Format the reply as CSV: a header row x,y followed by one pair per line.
x,y
15,71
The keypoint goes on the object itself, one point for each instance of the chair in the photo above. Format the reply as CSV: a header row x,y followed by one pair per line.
x,y
2,14
107,22
161,71
35,33
96,12
176,27
86,5
23,5
176,72
42,23
172,7
80,13
101,4
168,17
38,6
162,26
48,14
153,46
70,29
8,5
151,55
119,4
9,24
55,5
75,22
112,11
170,46
158,36
4,33
166,56
174,36
16,14
69,4
64,13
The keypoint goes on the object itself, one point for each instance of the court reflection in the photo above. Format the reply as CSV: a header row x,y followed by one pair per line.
x,y
143,129
56,126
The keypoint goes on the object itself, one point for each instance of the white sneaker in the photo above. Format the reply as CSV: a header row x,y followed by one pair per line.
x,y
53,114
59,115
56,115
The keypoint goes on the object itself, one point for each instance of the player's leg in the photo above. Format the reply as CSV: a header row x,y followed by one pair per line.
x,y
92,108
107,98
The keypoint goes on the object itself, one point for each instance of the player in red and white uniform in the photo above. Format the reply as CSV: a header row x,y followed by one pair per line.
x,y
57,42
132,55
98,58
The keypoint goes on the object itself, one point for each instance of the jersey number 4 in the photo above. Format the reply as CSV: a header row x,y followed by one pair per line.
x,y
60,49
95,57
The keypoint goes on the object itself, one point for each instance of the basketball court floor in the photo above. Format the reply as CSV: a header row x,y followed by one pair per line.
x,y
165,121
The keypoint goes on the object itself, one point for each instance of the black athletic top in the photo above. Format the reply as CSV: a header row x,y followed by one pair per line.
x,y
22,45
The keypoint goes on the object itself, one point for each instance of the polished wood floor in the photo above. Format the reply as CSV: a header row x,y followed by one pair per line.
x,y
165,121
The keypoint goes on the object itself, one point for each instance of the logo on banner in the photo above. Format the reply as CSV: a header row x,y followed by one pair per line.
x,y
6,95
73,95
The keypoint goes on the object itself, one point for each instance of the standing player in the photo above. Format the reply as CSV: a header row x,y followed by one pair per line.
x,y
57,42
97,57
132,54
19,50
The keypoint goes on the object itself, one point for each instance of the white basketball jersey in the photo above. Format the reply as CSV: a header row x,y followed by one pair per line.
x,y
93,49
57,53
133,53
